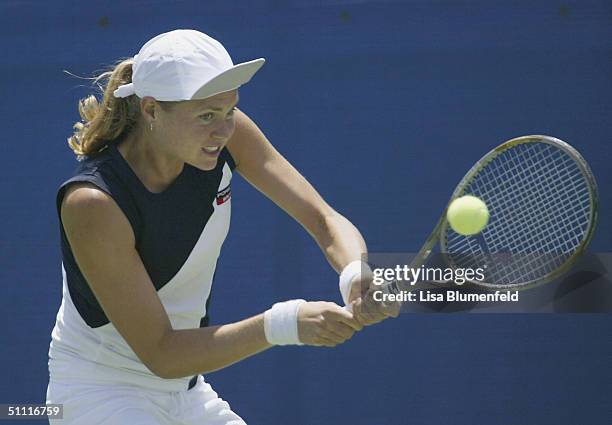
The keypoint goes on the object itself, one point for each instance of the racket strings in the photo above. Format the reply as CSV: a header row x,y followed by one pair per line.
x,y
531,221
540,211
527,215
535,261
522,218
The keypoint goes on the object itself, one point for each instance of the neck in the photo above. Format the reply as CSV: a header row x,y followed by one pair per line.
x,y
155,169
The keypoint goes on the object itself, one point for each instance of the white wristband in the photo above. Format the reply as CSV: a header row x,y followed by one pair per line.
x,y
349,273
281,323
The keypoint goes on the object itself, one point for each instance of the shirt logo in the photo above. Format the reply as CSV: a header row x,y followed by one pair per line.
x,y
224,195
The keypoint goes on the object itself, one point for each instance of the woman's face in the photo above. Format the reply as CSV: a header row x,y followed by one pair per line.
x,y
195,131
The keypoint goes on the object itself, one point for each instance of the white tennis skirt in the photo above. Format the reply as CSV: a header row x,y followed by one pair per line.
x,y
111,404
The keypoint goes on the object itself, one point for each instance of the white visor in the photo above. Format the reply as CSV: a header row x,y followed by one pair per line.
x,y
185,65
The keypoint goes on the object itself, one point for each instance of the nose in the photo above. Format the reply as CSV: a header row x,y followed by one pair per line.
x,y
224,130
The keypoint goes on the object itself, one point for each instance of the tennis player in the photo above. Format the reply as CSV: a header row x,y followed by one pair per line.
x,y
143,220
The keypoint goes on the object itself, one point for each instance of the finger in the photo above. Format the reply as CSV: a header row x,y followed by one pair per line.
x,y
367,314
369,319
322,342
340,314
355,288
359,286
392,309
330,337
386,309
326,342
373,309
356,309
340,329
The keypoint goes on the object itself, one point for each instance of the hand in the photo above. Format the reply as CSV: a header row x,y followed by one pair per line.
x,y
365,309
325,324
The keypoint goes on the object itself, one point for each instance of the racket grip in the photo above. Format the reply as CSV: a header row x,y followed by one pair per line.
x,y
389,287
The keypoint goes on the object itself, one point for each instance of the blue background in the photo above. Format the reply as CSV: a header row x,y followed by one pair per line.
x,y
383,106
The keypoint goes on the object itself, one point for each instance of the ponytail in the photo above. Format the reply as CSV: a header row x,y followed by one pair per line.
x,y
103,123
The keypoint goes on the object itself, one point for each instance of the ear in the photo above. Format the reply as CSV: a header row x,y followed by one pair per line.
x,y
148,108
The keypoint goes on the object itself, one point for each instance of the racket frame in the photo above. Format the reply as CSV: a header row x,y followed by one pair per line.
x,y
440,231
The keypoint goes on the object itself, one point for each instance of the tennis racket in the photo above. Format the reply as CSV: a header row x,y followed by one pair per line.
x,y
542,200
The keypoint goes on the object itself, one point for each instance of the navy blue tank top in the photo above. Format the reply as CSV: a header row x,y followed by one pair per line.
x,y
168,226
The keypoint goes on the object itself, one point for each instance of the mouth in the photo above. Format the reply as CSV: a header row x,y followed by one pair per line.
x,y
212,150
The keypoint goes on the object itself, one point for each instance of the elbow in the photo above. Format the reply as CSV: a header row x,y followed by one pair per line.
x,y
165,370
162,370
324,224
164,362
157,361
164,374
158,366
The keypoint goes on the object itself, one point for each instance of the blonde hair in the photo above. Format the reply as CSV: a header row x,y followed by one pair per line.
x,y
104,122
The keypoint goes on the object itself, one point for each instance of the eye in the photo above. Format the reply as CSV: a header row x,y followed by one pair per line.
x,y
208,116
231,112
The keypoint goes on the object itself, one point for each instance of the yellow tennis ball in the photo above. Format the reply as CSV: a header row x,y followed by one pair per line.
x,y
467,215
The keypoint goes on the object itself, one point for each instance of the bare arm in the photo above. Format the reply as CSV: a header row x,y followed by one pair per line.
x,y
102,241
103,244
341,242
266,169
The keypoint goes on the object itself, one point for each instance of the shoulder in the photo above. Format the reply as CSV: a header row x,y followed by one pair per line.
x,y
88,210
85,195
101,179
248,144
92,169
